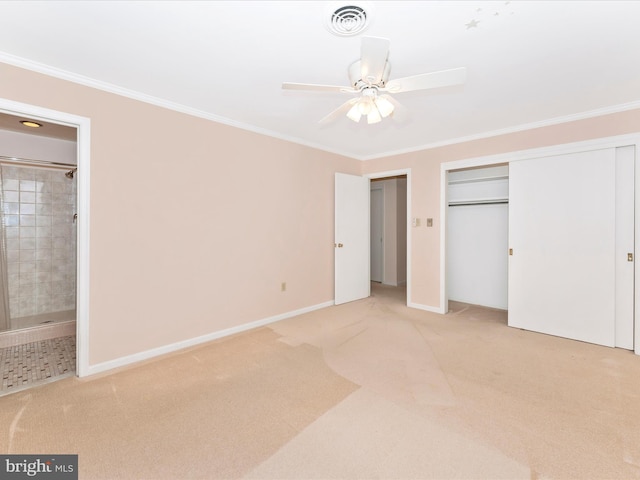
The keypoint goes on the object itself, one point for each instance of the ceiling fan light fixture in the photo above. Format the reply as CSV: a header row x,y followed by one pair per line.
x,y
365,106
374,116
384,106
354,113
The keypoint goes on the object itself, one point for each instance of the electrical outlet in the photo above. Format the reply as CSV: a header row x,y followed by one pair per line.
x,y
283,287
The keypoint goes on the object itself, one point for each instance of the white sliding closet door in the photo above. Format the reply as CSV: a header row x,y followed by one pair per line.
x,y
562,228
625,240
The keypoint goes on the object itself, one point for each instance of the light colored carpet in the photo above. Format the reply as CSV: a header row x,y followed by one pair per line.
x,y
369,389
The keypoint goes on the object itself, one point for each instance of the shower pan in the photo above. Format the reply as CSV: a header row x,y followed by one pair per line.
x,y
37,247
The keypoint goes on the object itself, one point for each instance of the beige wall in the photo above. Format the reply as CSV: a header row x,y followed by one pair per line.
x,y
425,183
194,224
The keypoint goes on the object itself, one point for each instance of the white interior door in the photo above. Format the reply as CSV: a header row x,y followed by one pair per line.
x,y
352,217
562,232
377,234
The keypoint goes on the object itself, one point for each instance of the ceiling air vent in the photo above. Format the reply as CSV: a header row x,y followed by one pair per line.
x,y
348,20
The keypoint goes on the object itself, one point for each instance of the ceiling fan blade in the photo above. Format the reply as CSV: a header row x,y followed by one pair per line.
x,y
373,58
317,88
443,78
341,110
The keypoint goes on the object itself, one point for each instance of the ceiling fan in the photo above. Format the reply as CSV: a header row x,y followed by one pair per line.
x,y
369,80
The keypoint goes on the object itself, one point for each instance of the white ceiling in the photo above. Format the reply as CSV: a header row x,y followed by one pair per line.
x,y
529,63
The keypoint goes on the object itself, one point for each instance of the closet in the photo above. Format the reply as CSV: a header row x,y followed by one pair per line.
x,y
550,238
477,235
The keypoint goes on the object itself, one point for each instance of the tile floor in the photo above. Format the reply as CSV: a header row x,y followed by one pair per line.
x,y
30,364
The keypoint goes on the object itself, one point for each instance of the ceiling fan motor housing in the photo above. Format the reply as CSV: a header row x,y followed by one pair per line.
x,y
358,83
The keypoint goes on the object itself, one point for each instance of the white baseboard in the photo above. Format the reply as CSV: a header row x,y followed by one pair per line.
x,y
427,308
398,284
155,352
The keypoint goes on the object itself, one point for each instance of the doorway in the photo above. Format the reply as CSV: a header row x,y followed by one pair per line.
x,y
38,255
352,277
76,186
477,235
389,230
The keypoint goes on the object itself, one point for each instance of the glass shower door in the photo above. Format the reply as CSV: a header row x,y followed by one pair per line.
x,y
38,207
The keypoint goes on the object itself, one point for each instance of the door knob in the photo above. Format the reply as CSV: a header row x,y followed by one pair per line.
x,y
340,245
629,257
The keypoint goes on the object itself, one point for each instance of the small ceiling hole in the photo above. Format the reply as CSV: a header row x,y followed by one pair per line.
x,y
348,20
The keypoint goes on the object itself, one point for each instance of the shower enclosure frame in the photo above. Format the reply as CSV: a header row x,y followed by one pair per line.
x,y
83,128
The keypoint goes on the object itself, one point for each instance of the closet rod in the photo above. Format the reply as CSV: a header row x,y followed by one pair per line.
x,y
467,204
29,161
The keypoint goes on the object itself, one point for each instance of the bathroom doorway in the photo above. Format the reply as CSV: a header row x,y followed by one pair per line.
x,y
38,251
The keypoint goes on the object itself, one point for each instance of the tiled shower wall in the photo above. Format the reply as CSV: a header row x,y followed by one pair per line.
x,y
38,215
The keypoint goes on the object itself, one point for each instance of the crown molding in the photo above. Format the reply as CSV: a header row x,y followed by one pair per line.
x,y
159,102
518,128
142,97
